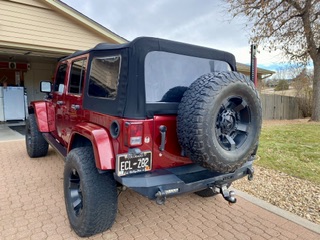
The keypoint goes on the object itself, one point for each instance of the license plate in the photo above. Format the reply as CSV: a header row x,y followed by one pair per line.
x,y
129,163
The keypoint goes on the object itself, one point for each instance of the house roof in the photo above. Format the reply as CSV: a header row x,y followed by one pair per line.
x,y
246,68
84,20
49,29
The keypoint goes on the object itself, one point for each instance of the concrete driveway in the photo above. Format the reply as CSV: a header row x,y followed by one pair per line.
x,y
32,207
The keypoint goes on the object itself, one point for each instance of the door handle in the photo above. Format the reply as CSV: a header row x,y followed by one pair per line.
x,y
60,103
75,106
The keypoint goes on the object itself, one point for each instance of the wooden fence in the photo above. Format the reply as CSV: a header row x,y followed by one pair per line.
x,y
279,107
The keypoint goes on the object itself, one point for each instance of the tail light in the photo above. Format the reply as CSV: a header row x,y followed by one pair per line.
x,y
133,134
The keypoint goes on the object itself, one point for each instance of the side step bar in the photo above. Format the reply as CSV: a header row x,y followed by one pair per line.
x,y
55,144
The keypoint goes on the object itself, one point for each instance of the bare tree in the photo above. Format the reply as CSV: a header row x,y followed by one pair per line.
x,y
290,25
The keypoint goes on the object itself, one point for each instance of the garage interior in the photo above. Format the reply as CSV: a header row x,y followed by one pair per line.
x,y
20,74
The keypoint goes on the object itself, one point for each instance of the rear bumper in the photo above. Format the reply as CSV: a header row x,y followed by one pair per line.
x,y
178,180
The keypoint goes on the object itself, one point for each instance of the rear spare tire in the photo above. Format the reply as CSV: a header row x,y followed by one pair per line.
x,y
219,121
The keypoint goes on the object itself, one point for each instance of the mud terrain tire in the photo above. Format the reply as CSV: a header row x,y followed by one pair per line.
x,y
219,121
36,145
91,198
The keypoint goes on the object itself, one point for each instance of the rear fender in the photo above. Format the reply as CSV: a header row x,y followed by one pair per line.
x,y
101,144
39,108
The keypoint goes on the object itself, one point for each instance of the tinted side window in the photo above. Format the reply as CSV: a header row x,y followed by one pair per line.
x,y
77,74
104,77
60,77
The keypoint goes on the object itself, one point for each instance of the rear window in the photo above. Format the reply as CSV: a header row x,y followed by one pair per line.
x,y
104,77
168,75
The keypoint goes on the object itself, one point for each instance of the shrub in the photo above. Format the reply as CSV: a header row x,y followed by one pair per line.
x,y
282,85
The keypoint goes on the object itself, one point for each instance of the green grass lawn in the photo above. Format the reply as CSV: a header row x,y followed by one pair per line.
x,y
291,148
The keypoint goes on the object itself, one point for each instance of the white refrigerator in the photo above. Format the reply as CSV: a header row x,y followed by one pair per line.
x,y
14,106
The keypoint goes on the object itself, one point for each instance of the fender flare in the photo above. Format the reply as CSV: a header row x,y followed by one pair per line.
x,y
39,108
101,144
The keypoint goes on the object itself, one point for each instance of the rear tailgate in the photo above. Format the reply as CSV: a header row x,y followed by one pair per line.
x,y
171,155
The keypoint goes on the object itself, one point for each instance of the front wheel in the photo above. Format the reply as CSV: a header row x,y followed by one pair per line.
x,y
36,145
91,198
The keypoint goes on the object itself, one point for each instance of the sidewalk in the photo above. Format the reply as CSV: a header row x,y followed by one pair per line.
x,y
32,207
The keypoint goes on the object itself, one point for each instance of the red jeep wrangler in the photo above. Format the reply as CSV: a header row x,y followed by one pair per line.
x,y
159,117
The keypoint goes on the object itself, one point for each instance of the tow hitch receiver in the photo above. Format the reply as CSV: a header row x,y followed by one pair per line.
x,y
228,195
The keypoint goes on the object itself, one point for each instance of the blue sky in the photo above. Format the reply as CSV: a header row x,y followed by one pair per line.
x,y
205,22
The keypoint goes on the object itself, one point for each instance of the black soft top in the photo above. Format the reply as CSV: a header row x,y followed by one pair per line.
x,y
131,100
143,45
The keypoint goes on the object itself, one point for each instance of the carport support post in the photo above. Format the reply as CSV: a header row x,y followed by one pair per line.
x,y
253,66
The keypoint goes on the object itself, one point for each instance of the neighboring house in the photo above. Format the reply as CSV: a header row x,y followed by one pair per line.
x,y
34,34
262,73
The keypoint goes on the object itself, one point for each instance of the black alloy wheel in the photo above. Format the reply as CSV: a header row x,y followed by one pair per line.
x,y
75,192
233,123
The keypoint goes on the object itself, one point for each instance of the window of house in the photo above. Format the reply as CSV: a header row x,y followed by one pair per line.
x,y
60,77
77,75
104,77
